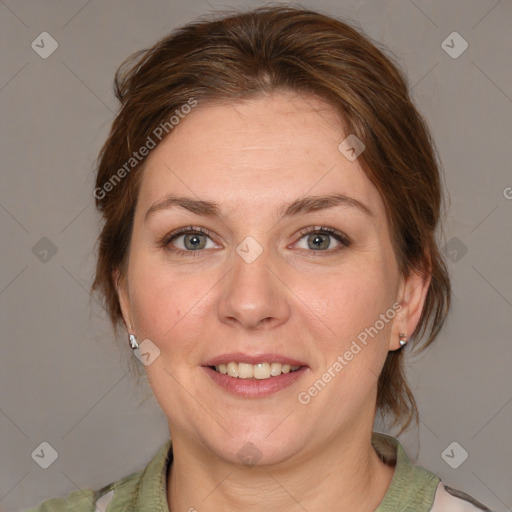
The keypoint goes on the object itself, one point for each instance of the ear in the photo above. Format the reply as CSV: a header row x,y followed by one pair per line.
x,y
123,296
412,294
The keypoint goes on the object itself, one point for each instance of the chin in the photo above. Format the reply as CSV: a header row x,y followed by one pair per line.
x,y
259,443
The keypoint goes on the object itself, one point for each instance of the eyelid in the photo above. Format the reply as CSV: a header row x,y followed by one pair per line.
x,y
184,231
325,229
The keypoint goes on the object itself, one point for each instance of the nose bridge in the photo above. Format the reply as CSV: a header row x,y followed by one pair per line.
x,y
252,294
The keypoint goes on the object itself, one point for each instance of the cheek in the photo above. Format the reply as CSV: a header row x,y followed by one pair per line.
x,y
167,307
352,299
158,302
355,312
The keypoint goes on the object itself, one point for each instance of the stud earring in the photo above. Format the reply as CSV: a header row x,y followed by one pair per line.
x,y
402,341
133,341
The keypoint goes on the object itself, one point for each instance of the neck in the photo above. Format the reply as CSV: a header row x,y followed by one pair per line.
x,y
345,474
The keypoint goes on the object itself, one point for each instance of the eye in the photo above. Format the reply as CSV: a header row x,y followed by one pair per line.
x,y
319,239
188,241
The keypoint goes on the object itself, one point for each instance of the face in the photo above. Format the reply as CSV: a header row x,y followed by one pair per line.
x,y
244,275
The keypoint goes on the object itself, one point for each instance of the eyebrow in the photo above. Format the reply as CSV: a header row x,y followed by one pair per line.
x,y
300,206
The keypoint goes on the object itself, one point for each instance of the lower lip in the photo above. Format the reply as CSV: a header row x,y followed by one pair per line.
x,y
255,388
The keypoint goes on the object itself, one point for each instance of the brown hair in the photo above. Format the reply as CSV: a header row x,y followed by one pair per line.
x,y
276,48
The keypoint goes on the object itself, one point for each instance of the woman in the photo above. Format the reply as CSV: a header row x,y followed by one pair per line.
x,y
270,199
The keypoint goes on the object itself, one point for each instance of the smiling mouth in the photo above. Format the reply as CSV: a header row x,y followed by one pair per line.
x,y
258,371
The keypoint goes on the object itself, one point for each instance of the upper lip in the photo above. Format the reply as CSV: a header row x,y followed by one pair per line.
x,y
238,357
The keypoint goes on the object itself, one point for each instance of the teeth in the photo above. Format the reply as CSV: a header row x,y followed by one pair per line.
x,y
254,371
232,370
261,371
245,371
275,369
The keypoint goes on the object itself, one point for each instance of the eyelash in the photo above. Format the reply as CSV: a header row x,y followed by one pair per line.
x,y
191,230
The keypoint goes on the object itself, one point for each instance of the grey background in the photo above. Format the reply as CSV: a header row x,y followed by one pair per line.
x,y
65,380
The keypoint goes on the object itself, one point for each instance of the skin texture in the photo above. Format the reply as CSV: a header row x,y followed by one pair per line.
x,y
295,299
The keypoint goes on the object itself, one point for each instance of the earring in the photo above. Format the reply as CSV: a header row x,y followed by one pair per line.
x,y
133,341
402,335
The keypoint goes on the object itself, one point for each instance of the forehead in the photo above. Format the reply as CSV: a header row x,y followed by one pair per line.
x,y
256,154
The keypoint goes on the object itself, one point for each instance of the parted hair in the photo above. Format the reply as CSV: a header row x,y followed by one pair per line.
x,y
234,56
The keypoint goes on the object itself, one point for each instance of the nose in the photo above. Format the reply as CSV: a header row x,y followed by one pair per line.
x,y
254,296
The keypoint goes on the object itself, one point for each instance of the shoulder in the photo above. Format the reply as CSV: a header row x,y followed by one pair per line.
x,y
448,499
80,501
414,488
124,495
88,500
